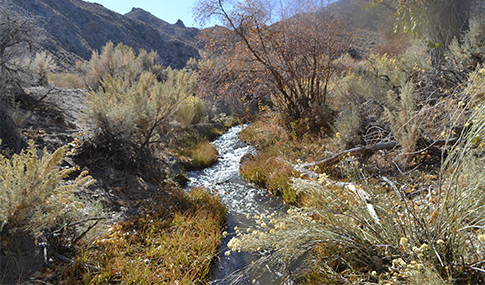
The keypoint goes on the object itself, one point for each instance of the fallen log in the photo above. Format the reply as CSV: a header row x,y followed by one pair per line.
x,y
369,149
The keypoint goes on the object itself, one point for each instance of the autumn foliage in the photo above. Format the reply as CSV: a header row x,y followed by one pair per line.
x,y
283,53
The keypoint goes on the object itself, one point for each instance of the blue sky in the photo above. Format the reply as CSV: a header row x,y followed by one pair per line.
x,y
167,10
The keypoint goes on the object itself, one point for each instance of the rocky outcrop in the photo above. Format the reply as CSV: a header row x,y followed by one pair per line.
x,y
177,30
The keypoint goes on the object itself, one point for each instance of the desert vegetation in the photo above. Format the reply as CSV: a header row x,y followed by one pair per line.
x,y
377,150
380,191
139,117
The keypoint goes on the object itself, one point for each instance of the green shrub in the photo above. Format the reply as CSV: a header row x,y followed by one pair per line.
x,y
120,61
33,193
136,111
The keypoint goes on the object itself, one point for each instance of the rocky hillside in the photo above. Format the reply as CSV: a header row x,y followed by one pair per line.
x,y
177,30
75,28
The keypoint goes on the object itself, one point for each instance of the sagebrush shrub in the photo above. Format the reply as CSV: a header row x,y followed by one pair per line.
x,y
470,50
347,126
33,192
404,122
136,111
192,111
120,61
390,102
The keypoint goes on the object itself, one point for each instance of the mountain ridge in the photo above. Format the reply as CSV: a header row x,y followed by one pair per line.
x,y
76,28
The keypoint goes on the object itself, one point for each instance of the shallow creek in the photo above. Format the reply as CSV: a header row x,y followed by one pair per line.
x,y
241,199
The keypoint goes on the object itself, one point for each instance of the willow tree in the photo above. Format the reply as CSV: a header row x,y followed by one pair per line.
x,y
438,21
289,48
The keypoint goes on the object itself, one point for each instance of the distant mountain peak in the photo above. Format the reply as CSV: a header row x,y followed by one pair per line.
x,y
180,24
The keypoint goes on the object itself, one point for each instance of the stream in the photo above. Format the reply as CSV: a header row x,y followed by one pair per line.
x,y
241,199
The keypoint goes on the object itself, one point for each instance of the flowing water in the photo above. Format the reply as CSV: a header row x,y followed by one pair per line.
x,y
241,199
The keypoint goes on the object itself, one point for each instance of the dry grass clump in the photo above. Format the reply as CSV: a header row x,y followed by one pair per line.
x,y
66,80
271,172
265,133
204,155
278,149
173,242
33,193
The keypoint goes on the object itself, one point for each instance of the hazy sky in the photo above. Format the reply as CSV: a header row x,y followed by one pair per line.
x,y
167,10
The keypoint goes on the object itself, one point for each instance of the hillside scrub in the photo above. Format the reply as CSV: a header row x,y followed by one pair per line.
x,y
20,35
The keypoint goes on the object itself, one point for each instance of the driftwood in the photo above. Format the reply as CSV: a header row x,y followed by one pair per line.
x,y
369,149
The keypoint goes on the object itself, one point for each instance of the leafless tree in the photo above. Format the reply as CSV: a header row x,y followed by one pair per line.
x,y
289,48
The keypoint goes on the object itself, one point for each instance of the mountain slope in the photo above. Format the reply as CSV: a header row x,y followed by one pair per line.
x,y
76,28
177,30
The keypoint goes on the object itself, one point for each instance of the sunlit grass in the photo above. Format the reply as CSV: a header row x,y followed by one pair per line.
x,y
270,172
204,155
172,243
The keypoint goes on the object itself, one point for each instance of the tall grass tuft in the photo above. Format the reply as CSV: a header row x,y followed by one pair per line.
x,y
173,242
204,155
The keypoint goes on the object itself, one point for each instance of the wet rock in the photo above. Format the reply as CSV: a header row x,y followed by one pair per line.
x,y
246,157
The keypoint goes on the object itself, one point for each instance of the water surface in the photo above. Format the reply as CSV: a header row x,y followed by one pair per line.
x,y
241,199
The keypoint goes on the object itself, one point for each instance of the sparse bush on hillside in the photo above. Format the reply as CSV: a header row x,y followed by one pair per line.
x,y
66,80
32,191
43,64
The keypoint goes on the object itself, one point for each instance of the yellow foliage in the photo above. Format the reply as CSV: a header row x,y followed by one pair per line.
x,y
32,190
